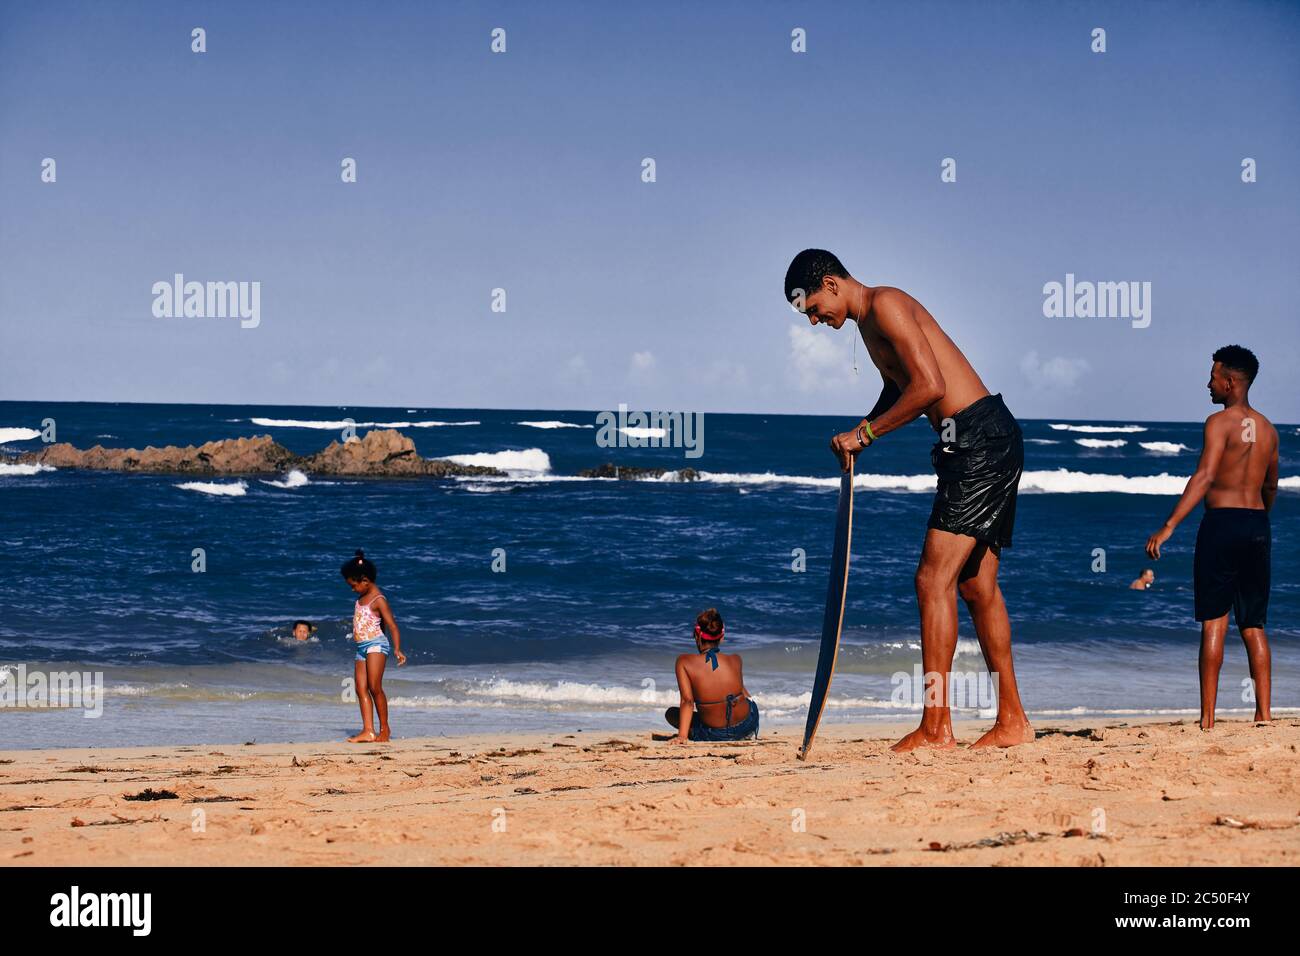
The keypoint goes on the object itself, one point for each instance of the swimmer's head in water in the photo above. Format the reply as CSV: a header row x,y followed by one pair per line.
x,y
1147,575
816,284
709,628
1234,371
302,630
358,570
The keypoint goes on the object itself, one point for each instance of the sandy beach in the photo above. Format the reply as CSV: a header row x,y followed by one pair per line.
x,y
1085,793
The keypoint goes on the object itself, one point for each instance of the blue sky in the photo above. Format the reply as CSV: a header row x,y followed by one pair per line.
x,y
522,171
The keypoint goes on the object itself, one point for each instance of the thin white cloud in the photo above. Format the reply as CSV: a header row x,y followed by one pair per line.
x,y
574,372
724,373
641,368
817,364
1056,374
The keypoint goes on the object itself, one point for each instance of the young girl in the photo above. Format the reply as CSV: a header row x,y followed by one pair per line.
x,y
370,618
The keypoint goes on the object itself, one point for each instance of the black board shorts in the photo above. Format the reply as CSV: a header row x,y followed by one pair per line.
x,y
1231,570
979,474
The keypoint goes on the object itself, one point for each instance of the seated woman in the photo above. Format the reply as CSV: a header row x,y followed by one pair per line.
x,y
715,704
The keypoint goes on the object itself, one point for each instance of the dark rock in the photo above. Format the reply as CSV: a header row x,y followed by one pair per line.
x,y
382,453
631,473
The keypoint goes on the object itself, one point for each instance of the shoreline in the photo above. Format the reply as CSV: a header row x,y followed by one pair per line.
x,y
1085,792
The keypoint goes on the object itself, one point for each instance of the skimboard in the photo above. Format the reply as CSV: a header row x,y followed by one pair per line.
x,y
833,619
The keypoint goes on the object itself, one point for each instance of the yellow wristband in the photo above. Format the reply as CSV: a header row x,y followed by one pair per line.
x,y
870,433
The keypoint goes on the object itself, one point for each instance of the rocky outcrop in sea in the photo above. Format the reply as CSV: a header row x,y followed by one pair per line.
x,y
631,473
383,453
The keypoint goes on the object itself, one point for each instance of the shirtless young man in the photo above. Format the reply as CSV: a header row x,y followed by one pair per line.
x,y
978,462
1237,477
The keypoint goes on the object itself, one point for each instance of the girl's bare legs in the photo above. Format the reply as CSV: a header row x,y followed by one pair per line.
x,y
375,679
1260,669
1212,634
362,682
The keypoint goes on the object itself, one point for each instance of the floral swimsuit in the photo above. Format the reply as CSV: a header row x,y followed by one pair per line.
x,y
367,631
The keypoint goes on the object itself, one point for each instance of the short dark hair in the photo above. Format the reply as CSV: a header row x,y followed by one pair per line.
x,y
808,269
1238,358
306,624
358,567
710,624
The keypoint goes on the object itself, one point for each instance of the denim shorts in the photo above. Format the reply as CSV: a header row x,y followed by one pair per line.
x,y
742,731
377,646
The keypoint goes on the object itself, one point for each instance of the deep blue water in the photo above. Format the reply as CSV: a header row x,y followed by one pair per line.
x,y
602,581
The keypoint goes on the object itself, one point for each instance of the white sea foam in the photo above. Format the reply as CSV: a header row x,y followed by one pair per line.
x,y
1164,447
1064,481
1101,442
521,478
1058,481
1290,484
576,692
1042,441
295,423
294,479
636,432
10,470
232,489
529,460
339,425
875,482
421,701
553,425
486,488
1098,429
18,434
571,692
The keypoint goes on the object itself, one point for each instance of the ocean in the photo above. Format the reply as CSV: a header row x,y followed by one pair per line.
x,y
601,579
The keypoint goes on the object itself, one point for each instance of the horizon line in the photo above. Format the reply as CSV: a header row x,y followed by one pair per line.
x,y
489,408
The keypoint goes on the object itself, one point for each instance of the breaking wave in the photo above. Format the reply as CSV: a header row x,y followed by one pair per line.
x,y
229,489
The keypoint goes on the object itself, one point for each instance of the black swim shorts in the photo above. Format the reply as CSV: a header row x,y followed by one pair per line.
x,y
1231,567
979,473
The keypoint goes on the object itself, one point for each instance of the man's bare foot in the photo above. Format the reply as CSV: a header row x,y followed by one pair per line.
x,y
1007,735
1206,725
941,740
384,735
365,737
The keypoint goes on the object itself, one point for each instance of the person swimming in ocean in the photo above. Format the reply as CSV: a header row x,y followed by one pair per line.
x,y
303,630
371,616
726,712
1143,581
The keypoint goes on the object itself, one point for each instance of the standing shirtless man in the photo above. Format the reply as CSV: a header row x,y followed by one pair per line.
x,y
1237,477
978,460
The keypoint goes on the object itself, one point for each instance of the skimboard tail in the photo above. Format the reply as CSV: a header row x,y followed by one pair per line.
x,y
833,619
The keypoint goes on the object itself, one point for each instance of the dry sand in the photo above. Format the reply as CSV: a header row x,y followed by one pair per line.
x,y
1086,793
